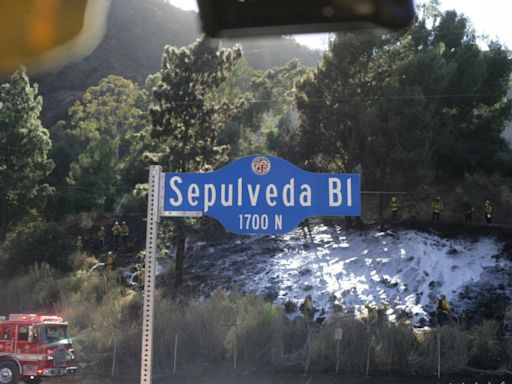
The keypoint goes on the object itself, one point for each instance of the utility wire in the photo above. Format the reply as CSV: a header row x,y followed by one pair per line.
x,y
355,98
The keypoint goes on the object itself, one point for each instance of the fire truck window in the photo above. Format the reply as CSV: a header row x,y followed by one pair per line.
x,y
7,334
55,333
23,334
32,333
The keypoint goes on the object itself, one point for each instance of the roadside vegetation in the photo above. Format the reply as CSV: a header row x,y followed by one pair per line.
x,y
214,332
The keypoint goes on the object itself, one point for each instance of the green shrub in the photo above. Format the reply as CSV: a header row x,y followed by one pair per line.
x,y
102,316
256,332
205,326
36,243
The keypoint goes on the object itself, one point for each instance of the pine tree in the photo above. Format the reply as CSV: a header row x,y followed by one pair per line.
x,y
186,120
24,145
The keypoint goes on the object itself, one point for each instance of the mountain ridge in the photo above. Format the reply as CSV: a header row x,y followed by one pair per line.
x,y
132,48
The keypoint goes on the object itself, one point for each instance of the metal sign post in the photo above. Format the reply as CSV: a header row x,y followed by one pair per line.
x,y
153,216
338,336
438,351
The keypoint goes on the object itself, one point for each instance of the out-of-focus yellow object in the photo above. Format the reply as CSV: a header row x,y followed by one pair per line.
x,y
42,34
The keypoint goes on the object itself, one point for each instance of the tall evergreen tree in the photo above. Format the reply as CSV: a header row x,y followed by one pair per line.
x,y
356,113
24,145
186,121
471,117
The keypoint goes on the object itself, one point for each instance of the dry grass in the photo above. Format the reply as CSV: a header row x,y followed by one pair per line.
x,y
454,350
36,290
487,351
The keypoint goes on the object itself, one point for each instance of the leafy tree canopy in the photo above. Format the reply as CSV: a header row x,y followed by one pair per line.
x,y
107,125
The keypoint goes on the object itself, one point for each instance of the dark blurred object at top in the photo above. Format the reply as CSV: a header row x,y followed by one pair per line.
x,y
226,18
44,34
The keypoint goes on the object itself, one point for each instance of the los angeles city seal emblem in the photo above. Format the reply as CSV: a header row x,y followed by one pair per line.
x,y
261,165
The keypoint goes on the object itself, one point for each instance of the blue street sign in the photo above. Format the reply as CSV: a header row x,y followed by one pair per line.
x,y
261,195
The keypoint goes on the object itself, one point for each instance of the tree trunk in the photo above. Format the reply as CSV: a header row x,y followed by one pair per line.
x,y
180,258
382,197
382,207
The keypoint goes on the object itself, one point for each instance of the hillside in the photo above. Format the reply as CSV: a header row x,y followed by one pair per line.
x,y
405,268
137,32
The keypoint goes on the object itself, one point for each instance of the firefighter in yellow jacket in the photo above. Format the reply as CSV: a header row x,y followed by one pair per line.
x,y
102,233
394,207
371,313
443,310
307,308
488,212
116,232
437,208
109,262
125,231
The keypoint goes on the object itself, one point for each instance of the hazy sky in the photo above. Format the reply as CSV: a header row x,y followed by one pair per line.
x,y
490,17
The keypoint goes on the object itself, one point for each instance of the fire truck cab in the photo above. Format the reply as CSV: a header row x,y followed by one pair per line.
x,y
33,347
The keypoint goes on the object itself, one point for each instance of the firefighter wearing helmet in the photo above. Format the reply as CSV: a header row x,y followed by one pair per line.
x,y
102,233
443,310
307,308
488,212
109,262
437,208
125,231
116,232
394,207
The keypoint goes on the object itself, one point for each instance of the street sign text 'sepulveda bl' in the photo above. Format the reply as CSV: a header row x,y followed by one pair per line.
x,y
261,195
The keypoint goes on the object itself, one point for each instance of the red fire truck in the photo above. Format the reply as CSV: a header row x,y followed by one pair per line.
x,y
33,347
